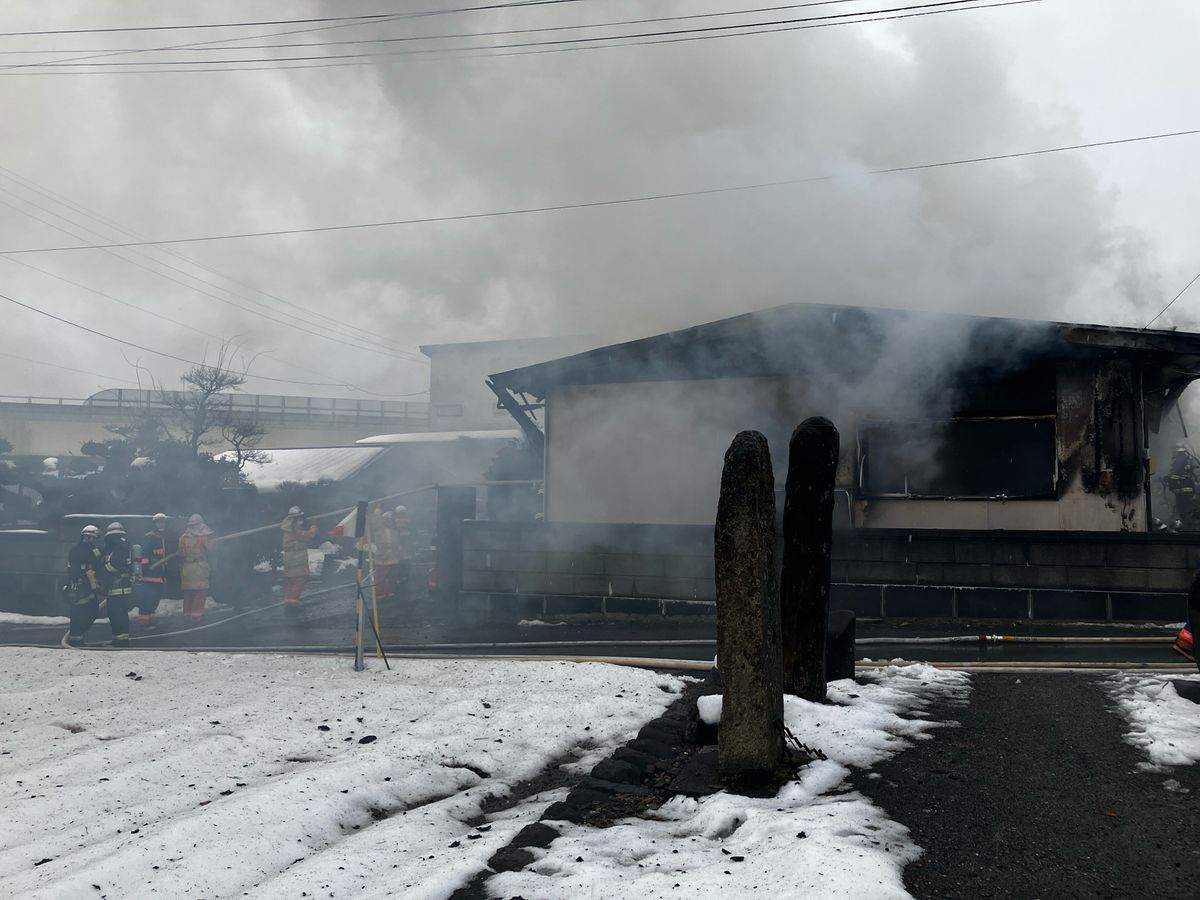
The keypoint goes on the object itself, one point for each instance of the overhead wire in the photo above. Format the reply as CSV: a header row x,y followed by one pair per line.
x,y
207,48
618,201
326,27
290,324
354,332
99,293
1159,315
277,361
300,21
162,353
43,362
558,45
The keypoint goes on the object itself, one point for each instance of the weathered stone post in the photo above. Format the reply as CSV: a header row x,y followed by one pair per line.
x,y
807,545
750,741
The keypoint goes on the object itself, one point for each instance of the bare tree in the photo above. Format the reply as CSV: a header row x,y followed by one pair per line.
x,y
204,405
243,437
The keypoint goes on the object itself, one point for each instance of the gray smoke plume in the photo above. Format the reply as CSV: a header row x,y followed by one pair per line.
x,y
199,154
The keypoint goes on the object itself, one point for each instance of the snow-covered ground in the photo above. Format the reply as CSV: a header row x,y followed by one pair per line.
x,y
7,618
1163,725
815,838
127,774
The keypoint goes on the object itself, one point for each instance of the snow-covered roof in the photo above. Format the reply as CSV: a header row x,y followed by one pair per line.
x,y
307,464
433,437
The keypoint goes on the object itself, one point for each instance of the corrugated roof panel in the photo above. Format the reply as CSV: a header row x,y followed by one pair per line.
x,y
309,464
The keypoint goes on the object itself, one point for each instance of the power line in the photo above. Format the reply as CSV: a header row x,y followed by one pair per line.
x,y
99,293
25,263
447,54
244,24
355,333
1195,278
707,32
594,204
207,48
42,362
342,24
290,324
190,362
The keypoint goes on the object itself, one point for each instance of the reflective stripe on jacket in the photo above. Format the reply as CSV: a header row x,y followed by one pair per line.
x,y
153,551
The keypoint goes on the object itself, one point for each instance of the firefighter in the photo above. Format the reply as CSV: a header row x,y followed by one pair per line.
x,y
296,535
402,534
386,551
1181,481
154,575
118,581
83,583
194,572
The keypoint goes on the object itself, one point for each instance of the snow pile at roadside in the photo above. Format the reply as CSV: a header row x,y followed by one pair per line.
x,y
1163,725
7,618
807,841
204,775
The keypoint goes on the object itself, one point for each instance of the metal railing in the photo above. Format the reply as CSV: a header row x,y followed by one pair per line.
x,y
264,408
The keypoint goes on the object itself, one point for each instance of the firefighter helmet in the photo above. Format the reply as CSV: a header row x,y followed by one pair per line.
x,y
115,528
90,531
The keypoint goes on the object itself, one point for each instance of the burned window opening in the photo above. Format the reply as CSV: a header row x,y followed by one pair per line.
x,y
1005,457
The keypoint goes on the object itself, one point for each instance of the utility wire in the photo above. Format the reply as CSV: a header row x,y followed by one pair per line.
x,y
99,293
254,24
635,39
352,387
1195,278
594,204
343,24
197,48
33,187
203,25
127,303
378,345
447,54
289,324
190,362
42,362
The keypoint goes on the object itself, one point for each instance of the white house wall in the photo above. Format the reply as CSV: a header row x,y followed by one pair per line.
x,y
652,453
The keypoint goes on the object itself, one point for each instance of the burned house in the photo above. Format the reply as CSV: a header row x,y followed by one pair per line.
x,y
989,467
947,421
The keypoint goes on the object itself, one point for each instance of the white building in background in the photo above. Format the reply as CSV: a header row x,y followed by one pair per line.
x,y
459,398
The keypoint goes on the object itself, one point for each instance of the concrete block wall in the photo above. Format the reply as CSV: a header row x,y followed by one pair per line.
x,y
542,569
536,569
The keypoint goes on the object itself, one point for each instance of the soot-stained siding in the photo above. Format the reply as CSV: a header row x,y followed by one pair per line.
x,y
1099,429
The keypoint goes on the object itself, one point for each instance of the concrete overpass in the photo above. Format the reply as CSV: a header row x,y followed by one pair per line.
x,y
58,426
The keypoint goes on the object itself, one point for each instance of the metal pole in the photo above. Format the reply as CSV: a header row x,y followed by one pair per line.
x,y
360,529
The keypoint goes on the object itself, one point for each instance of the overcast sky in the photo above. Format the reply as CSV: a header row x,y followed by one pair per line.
x,y
1104,235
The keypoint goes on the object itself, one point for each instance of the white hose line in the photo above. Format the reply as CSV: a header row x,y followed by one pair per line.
x,y
250,612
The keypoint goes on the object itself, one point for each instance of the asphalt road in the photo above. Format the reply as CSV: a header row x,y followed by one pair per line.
x,y
326,620
1035,795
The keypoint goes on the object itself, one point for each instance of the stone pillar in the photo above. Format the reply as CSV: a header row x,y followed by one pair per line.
x,y
750,741
807,545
